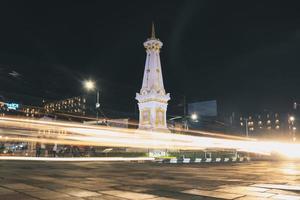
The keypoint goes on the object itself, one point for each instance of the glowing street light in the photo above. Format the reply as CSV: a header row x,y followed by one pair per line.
x,y
194,116
292,118
89,85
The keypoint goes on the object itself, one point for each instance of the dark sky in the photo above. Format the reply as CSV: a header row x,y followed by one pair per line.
x,y
245,54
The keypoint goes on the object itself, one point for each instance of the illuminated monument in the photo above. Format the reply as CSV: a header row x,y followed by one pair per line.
x,y
153,99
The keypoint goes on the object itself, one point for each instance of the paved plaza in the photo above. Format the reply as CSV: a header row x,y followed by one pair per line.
x,y
31,180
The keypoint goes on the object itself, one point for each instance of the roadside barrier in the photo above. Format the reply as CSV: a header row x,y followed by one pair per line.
x,y
203,160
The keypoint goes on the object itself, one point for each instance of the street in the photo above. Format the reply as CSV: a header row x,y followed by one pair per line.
x,y
29,180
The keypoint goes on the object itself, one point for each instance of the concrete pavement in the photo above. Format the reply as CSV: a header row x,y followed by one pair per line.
x,y
28,180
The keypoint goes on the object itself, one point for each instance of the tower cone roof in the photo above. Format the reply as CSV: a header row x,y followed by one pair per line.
x,y
153,31
153,79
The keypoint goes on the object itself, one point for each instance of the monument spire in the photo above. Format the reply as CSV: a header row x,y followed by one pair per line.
x,y
153,31
152,98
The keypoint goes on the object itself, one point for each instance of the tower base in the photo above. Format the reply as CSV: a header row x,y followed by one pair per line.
x,y
162,130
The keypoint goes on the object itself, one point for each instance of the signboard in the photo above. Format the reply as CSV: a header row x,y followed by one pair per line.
x,y
12,106
203,108
157,153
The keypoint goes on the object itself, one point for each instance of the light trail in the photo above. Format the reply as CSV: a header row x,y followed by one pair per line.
x,y
29,130
103,159
77,125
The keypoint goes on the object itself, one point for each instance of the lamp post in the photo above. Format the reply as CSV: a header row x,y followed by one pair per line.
x,y
89,86
292,127
242,121
247,129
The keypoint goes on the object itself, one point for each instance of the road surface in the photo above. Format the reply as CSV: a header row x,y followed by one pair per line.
x,y
31,180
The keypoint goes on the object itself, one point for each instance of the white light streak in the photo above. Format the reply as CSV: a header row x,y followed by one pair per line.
x,y
17,129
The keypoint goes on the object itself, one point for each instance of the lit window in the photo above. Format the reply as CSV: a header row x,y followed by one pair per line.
x,y
276,121
259,122
269,122
277,127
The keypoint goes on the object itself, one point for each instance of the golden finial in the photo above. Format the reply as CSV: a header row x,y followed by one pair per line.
x,y
153,31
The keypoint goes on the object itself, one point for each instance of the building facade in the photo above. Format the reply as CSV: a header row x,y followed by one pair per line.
x,y
20,110
74,105
265,122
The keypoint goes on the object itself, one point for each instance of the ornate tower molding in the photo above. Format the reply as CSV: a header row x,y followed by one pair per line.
x,y
153,99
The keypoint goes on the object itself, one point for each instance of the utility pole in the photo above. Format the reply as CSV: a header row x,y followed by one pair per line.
x,y
184,113
246,125
97,107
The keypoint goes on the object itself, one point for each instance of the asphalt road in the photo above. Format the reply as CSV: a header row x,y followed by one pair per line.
x,y
27,180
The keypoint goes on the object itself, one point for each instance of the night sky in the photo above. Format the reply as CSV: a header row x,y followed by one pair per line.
x,y
245,54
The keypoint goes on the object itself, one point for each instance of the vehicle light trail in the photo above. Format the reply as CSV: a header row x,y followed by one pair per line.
x,y
18,129
76,159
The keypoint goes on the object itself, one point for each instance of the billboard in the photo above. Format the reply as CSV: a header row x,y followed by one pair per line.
x,y
203,108
12,106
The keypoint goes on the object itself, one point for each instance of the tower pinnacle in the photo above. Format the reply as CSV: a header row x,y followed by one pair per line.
x,y
153,31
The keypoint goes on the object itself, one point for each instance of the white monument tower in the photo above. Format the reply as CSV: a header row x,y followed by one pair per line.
x,y
153,99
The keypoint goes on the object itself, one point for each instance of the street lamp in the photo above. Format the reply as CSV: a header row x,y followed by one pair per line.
x,y
194,116
245,120
292,127
89,86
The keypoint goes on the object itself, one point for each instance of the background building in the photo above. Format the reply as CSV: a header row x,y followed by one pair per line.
x,y
74,105
263,123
